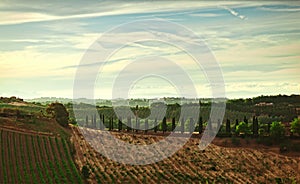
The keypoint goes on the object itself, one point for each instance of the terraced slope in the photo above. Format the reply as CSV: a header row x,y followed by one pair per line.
x,y
33,158
188,165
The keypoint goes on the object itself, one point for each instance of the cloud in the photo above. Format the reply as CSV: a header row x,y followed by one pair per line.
x,y
38,11
205,15
235,13
278,9
253,53
30,41
251,89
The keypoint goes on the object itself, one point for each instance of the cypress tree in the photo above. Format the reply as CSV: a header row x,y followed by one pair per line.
x,y
137,124
155,125
200,125
219,123
164,125
245,120
236,123
255,126
128,124
191,127
269,127
95,121
146,125
228,126
86,120
111,123
102,126
120,124
209,124
173,124
182,125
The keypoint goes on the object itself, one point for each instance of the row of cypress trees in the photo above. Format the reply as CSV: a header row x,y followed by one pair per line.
x,y
93,123
164,126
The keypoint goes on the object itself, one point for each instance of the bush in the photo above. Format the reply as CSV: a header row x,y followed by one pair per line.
x,y
243,128
277,130
85,171
278,180
295,126
72,121
59,112
261,132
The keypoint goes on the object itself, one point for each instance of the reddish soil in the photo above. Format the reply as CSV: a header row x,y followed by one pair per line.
x,y
248,163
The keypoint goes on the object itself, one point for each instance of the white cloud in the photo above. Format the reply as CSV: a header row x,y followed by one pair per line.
x,y
205,15
251,44
7,17
251,89
31,63
97,9
290,9
234,13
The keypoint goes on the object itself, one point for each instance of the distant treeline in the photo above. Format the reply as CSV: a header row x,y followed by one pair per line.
x,y
266,108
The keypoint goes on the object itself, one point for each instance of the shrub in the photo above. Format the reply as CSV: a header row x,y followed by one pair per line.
x,y
261,132
243,128
59,112
295,126
278,180
277,130
85,171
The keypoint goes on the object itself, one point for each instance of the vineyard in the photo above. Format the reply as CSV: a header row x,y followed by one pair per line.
x,y
37,147
189,164
29,158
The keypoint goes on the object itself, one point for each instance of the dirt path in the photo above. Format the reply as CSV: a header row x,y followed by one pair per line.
x,y
24,131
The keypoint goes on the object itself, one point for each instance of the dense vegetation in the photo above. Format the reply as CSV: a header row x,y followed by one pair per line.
x,y
243,116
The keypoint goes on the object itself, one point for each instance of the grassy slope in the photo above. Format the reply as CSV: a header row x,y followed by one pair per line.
x,y
33,119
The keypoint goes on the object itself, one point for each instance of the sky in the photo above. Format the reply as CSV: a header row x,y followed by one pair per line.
x,y
43,44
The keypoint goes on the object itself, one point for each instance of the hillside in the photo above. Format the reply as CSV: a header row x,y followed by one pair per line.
x,y
30,118
34,147
37,149
31,158
189,165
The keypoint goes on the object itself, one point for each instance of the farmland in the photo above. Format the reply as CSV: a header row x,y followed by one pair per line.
x,y
215,164
37,148
29,158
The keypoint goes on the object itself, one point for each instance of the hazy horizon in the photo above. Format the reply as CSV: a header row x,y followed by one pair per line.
x,y
170,97
256,44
